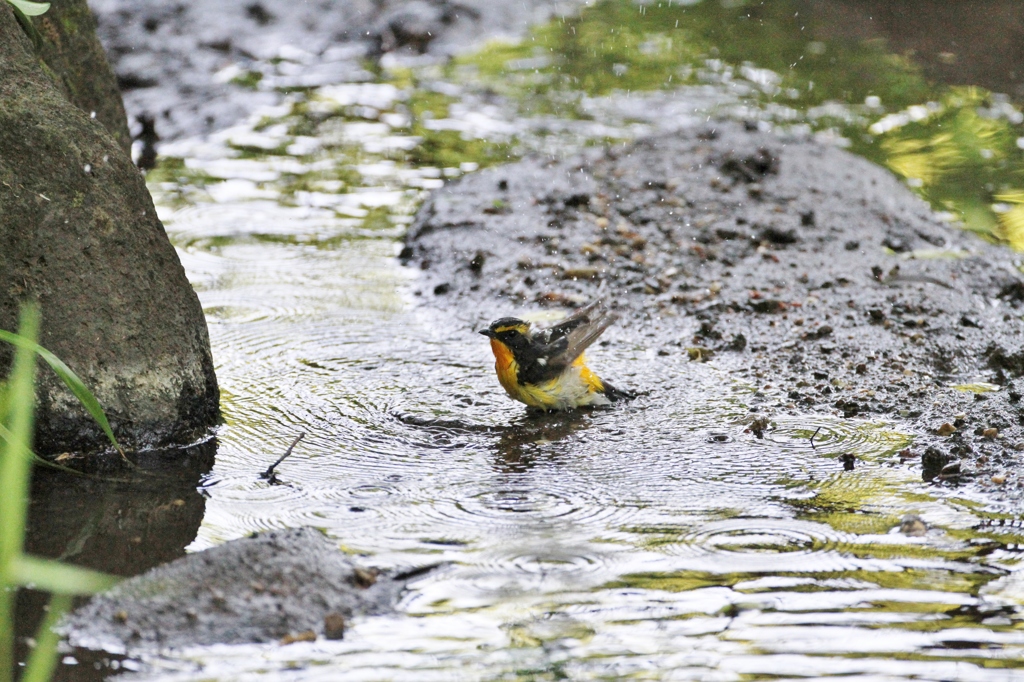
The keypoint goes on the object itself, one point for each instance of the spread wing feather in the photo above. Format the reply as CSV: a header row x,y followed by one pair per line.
x,y
558,346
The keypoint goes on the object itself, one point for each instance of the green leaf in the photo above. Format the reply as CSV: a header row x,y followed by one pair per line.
x,y
70,379
30,9
53,576
43,658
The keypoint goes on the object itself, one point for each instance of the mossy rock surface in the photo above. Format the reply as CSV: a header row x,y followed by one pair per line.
x,y
80,235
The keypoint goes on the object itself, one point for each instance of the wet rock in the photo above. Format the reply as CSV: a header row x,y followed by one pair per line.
x,y
304,636
932,463
334,626
950,471
80,235
415,25
750,167
886,331
779,235
476,265
286,585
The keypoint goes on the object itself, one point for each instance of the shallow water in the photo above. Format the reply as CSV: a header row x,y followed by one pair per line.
x,y
662,539
667,538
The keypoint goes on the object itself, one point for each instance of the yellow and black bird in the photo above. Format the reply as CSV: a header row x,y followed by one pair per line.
x,y
544,368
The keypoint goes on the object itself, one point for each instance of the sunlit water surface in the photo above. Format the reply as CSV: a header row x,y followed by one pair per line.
x,y
662,539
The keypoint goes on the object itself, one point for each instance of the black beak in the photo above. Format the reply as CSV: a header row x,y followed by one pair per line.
x,y
486,332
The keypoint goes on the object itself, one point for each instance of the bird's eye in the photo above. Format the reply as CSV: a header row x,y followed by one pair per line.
x,y
513,332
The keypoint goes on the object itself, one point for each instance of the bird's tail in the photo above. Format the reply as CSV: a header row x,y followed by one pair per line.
x,y
615,394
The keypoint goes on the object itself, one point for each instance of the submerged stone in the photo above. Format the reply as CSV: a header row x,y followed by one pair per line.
x,y
269,587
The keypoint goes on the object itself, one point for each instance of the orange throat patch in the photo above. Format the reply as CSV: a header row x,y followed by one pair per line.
x,y
506,366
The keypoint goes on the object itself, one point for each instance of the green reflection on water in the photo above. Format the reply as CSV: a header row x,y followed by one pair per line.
x,y
956,146
442,148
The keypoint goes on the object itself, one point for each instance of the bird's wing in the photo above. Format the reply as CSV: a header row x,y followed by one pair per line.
x,y
560,345
578,318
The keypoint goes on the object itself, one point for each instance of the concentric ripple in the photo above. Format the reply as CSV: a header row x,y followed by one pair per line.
x,y
762,545
830,436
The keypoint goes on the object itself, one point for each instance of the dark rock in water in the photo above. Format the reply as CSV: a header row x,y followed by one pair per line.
x,y
79,234
672,234
413,25
259,589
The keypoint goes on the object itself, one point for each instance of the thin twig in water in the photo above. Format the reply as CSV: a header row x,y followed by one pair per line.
x,y
269,473
812,437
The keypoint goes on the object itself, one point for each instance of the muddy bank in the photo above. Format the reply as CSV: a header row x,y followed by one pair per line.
x,y
281,584
808,272
197,67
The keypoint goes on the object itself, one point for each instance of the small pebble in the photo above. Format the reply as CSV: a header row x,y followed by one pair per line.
x,y
334,626
990,433
913,526
999,479
307,636
951,469
946,429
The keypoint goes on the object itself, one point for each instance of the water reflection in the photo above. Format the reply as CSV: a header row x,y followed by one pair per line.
x,y
520,444
976,42
122,525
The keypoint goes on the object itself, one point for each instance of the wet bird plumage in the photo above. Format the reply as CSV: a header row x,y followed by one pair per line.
x,y
545,368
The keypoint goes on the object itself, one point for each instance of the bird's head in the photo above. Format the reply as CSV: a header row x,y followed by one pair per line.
x,y
511,332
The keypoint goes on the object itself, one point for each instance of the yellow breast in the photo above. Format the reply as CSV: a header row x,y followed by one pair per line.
x,y
575,387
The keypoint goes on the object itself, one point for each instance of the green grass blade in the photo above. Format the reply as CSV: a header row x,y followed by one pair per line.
x,y
70,379
6,632
30,9
43,658
15,463
53,576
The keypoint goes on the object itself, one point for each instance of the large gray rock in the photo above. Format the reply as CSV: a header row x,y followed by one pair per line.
x,y
78,233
